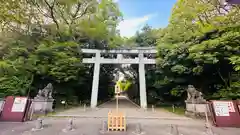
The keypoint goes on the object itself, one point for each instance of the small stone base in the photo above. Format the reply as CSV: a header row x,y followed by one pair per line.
x,y
67,130
35,129
138,133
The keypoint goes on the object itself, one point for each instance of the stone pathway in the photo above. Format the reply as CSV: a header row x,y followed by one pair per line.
x,y
89,122
131,110
91,126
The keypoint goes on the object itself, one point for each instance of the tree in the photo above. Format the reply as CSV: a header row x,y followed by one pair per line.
x,y
43,44
146,37
200,47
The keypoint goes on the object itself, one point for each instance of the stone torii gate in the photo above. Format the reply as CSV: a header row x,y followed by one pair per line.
x,y
140,60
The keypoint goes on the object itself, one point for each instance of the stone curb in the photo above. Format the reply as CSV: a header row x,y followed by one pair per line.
x,y
131,117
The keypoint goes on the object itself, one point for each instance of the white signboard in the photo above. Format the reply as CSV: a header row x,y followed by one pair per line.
x,y
19,104
1,105
231,107
221,108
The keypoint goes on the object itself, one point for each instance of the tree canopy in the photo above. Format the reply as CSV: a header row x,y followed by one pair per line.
x,y
41,41
201,46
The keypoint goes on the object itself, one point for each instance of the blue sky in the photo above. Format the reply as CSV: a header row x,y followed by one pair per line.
x,y
137,13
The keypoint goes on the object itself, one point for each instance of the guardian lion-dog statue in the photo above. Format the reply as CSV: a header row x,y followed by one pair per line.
x,y
45,93
194,95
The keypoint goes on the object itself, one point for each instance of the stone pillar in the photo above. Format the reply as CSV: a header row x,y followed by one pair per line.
x,y
142,82
95,82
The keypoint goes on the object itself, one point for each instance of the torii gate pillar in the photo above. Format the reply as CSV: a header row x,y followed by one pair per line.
x,y
94,96
142,82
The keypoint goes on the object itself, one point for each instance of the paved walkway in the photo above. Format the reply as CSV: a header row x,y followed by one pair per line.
x,y
131,110
91,126
90,123
123,102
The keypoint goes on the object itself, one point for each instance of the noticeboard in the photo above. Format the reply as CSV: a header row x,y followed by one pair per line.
x,y
221,108
15,109
19,104
225,113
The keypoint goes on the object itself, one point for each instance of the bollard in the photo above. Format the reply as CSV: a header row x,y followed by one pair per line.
x,y
84,107
138,129
173,108
145,109
69,126
39,124
104,127
174,130
153,108
209,130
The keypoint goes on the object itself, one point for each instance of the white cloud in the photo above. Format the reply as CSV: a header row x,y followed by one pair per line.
x,y
128,27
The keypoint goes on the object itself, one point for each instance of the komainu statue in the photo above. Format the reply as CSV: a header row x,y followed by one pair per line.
x,y
45,93
194,95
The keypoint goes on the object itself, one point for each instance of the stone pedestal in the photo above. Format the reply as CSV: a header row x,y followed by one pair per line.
x,y
42,106
197,109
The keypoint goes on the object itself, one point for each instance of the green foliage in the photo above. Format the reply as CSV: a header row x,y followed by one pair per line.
x,y
41,41
200,46
144,38
235,60
124,85
56,59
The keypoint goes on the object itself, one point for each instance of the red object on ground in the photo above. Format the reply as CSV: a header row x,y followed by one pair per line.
x,y
15,109
225,113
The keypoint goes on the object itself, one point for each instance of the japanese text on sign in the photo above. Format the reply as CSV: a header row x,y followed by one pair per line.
x,y
231,107
19,104
221,108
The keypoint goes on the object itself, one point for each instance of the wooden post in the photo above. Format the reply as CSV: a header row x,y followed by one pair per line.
x,y
84,107
173,108
194,107
206,115
117,103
